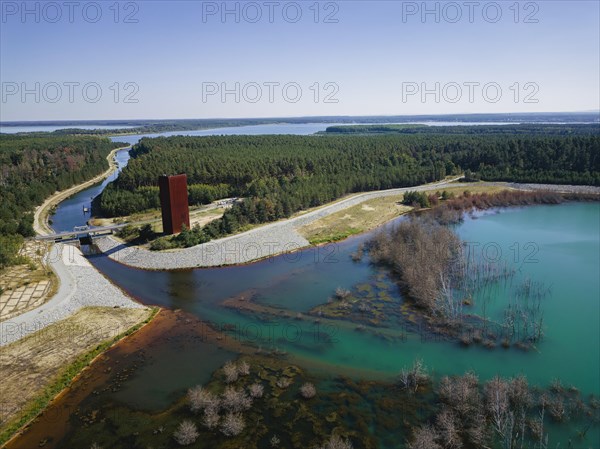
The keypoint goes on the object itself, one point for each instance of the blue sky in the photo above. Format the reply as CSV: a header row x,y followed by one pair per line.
x,y
176,58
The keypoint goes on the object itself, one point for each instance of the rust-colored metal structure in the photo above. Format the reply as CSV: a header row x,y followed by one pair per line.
x,y
174,203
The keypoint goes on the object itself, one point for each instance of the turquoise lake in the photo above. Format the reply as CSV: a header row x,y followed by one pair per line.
x,y
564,238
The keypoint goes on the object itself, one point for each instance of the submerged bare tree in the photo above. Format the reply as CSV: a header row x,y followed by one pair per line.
x,y
502,413
425,437
186,433
336,442
422,253
441,275
411,379
524,317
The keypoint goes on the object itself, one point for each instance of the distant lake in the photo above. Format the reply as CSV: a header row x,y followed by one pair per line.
x,y
45,128
301,129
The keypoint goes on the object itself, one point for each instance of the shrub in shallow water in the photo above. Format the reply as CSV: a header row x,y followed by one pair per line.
x,y
308,391
186,433
231,372
342,293
284,382
211,418
256,390
414,377
336,442
201,399
243,368
235,400
233,424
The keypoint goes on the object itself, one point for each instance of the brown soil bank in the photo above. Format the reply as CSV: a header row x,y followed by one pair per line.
x,y
36,368
109,370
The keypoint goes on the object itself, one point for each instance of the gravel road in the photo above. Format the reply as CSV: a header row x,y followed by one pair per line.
x,y
81,285
265,241
274,238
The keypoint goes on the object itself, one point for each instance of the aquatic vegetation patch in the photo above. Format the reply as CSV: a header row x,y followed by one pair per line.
x,y
375,303
450,290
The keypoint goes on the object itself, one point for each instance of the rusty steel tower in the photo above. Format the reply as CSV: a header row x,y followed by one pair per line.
x,y
174,203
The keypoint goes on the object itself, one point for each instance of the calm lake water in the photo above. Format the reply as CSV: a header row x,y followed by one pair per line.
x,y
566,242
557,246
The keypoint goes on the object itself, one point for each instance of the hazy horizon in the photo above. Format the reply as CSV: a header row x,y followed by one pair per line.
x,y
305,117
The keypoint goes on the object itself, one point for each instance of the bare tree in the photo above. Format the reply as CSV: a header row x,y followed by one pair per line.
x,y
186,433
498,408
425,437
308,391
420,252
336,442
414,377
231,372
557,409
342,293
448,429
211,417
201,398
461,394
235,400
256,390
243,368
283,382
233,424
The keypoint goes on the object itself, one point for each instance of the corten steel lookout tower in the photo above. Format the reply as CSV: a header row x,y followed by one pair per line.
x,y
174,203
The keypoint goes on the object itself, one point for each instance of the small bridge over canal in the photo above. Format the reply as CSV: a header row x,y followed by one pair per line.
x,y
84,234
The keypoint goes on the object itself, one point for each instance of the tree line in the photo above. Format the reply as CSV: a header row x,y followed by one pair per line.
x,y
280,175
31,169
541,129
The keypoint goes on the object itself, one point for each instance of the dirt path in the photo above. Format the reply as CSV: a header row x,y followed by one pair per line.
x,y
40,216
258,243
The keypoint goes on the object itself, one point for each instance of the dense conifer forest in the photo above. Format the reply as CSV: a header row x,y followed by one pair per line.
x,y
33,168
547,129
280,175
